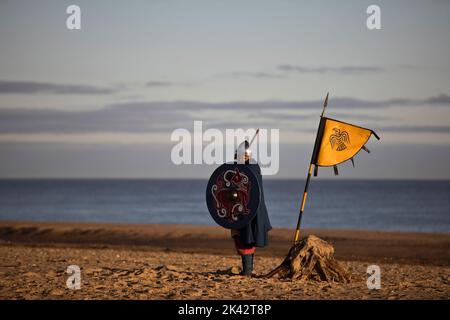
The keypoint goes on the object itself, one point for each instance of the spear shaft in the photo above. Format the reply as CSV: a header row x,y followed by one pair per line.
x,y
308,178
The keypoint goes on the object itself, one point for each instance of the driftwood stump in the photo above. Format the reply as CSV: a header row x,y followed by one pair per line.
x,y
311,259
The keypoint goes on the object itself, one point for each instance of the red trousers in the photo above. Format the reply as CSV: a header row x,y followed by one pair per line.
x,y
242,249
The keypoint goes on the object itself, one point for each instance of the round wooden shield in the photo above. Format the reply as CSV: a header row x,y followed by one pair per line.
x,y
233,195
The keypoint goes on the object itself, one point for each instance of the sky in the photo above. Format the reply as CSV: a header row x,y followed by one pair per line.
x,y
102,102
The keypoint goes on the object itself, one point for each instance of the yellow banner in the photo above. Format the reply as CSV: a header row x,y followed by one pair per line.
x,y
340,142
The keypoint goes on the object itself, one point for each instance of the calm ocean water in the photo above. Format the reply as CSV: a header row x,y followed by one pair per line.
x,y
370,204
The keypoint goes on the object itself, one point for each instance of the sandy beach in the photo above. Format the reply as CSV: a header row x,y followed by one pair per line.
x,y
199,262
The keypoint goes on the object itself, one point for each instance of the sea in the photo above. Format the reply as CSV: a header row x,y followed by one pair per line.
x,y
384,205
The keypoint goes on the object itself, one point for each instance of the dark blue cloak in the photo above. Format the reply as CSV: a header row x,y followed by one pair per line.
x,y
256,233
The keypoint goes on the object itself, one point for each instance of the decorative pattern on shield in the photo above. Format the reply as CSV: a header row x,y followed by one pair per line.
x,y
231,193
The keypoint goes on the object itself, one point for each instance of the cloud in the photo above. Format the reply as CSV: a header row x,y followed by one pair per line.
x,y
343,103
159,84
30,87
133,118
395,129
258,75
286,69
167,84
438,100
152,117
416,129
344,70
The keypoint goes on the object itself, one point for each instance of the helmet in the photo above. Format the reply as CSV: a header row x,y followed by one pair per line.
x,y
243,152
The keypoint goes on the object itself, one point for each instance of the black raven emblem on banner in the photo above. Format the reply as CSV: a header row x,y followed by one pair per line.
x,y
340,139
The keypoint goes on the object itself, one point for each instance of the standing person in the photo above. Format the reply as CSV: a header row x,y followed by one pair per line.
x,y
254,234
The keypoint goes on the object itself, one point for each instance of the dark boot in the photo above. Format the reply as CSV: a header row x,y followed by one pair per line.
x,y
247,264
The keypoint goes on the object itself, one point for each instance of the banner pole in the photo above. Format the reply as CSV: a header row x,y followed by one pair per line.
x,y
302,207
308,178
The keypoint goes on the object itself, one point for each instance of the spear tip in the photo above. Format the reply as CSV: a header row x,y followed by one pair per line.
x,y
325,104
